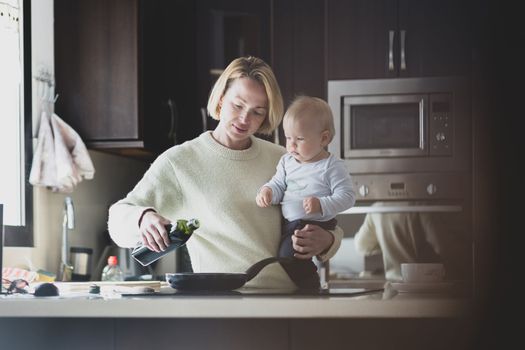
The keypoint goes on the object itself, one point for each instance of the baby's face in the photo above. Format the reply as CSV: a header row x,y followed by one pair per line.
x,y
305,140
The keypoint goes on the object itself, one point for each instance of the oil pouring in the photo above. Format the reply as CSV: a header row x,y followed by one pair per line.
x,y
178,233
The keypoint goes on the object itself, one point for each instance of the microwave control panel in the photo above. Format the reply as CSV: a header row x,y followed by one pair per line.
x,y
427,186
440,125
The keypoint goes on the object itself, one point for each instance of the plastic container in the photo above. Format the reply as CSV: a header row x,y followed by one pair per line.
x,y
112,272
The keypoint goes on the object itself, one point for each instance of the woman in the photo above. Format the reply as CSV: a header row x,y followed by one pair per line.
x,y
214,178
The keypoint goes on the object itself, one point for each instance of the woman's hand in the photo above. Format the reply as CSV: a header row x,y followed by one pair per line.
x,y
264,197
310,241
152,231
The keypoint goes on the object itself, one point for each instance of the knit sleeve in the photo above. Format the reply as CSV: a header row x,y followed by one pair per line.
x,y
278,182
158,189
342,193
365,240
338,234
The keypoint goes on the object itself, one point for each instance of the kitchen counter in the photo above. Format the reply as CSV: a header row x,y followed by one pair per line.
x,y
387,303
237,322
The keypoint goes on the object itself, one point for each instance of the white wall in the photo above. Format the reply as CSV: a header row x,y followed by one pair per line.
x,y
114,177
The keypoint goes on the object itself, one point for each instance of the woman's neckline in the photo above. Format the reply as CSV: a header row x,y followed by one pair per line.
x,y
241,148
225,152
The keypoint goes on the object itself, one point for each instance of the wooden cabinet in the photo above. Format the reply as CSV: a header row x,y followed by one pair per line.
x,y
397,38
169,86
134,75
96,54
225,30
125,73
298,49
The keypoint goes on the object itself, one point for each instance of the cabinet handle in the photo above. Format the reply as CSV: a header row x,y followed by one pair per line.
x,y
391,50
172,134
402,43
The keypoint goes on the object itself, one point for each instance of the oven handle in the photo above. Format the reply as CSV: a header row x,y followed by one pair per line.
x,y
403,58
391,50
405,209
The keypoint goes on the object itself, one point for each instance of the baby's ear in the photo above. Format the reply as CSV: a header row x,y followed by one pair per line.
x,y
325,137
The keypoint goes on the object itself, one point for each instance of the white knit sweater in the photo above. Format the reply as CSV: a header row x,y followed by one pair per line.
x,y
204,180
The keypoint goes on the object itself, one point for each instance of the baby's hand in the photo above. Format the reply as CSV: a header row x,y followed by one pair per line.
x,y
264,197
311,205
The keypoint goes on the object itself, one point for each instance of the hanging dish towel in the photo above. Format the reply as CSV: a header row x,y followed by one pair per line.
x,y
61,159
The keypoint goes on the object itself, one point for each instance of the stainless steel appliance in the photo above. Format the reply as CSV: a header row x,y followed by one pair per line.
x,y
404,139
407,145
81,261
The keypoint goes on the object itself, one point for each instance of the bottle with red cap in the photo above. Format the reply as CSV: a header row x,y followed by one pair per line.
x,y
112,272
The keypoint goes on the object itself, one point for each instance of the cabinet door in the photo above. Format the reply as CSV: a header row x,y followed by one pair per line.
x,y
436,38
404,38
126,73
168,70
298,48
225,30
96,58
359,38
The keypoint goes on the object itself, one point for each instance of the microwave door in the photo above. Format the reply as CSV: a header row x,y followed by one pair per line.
x,y
385,126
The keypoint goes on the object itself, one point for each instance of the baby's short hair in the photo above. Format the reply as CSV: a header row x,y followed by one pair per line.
x,y
307,106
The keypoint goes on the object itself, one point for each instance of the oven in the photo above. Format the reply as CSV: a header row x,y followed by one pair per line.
x,y
407,144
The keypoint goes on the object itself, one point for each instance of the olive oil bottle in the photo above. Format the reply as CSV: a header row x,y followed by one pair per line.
x,y
178,233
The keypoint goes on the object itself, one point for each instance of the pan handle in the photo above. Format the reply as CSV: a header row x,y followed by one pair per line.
x,y
258,266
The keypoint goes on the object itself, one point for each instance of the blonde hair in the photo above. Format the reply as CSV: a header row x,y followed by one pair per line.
x,y
312,107
256,69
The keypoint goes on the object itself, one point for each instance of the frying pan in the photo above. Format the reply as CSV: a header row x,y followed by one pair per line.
x,y
219,281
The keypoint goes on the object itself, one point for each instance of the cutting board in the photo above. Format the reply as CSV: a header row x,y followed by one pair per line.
x,y
128,287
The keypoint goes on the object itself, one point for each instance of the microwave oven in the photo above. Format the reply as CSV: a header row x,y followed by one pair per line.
x,y
402,137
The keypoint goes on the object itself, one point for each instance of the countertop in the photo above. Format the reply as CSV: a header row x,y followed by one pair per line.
x,y
386,303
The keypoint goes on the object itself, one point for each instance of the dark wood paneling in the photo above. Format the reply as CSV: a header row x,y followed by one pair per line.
x,y
282,48
438,38
357,40
168,72
308,48
212,53
96,45
298,50
369,333
238,334
57,333
216,334
118,64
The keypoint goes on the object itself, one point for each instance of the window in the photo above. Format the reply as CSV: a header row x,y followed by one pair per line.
x,y
16,194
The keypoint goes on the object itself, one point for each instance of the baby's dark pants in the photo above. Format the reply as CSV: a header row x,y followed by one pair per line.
x,y
302,272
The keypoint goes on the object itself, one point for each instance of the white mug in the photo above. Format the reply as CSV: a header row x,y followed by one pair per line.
x,y
422,272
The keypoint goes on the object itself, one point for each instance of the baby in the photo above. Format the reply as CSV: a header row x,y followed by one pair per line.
x,y
311,184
